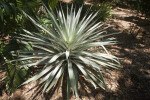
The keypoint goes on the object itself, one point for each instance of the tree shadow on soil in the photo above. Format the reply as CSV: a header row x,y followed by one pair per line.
x,y
135,79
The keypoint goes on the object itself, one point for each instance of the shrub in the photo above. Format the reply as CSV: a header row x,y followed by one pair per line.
x,y
13,76
66,49
10,19
7,14
104,11
140,5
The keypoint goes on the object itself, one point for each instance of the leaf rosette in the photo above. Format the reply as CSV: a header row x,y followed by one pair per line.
x,y
67,48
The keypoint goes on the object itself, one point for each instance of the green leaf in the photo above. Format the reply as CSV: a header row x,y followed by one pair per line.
x,y
56,78
85,73
38,76
72,79
6,8
56,73
68,88
1,14
67,54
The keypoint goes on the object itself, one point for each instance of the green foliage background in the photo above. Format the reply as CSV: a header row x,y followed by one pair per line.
x,y
11,19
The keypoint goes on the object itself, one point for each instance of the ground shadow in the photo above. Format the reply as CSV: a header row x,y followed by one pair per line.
x,y
135,79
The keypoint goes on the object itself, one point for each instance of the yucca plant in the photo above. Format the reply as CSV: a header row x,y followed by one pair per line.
x,y
66,49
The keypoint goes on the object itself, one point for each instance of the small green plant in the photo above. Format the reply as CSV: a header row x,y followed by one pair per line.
x,y
13,75
67,49
104,11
